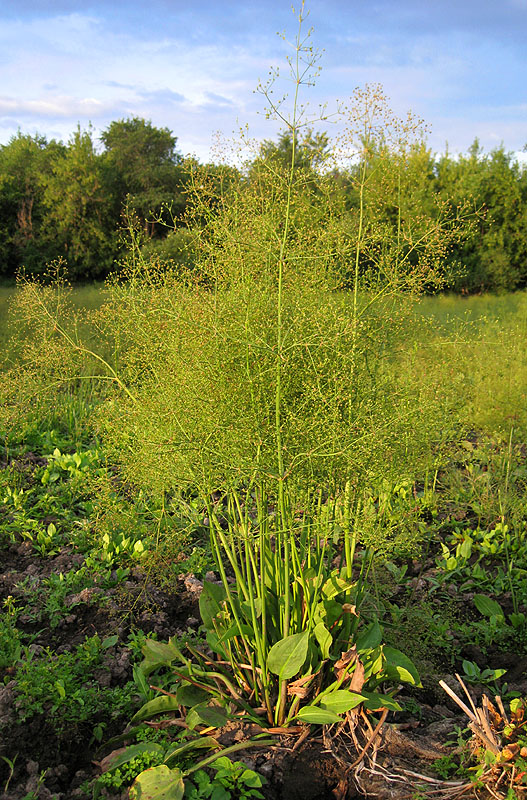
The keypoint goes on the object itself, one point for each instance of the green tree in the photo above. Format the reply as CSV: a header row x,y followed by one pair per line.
x,y
142,163
77,204
311,150
399,228
25,162
495,257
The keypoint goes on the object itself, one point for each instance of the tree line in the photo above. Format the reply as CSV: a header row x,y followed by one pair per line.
x,y
67,200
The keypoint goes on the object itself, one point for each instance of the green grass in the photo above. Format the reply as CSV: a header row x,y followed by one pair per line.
x,y
474,349
448,308
83,298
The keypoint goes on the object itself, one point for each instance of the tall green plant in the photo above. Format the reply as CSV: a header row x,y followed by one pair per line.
x,y
260,381
293,608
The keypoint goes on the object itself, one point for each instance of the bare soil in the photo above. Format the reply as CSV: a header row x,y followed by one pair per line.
x,y
318,767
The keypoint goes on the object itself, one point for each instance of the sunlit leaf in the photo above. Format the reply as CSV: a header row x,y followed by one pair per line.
x,y
335,585
158,783
324,639
398,665
318,716
287,656
341,701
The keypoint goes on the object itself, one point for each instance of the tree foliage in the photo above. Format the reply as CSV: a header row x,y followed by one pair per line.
x,y
67,200
143,165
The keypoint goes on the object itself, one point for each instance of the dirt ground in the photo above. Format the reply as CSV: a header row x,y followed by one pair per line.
x,y
395,765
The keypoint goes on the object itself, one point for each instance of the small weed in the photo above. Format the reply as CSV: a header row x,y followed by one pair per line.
x,y
11,639
232,780
66,465
123,776
63,686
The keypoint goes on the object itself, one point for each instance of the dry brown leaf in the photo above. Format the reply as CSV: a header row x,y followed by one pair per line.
x,y
298,688
341,666
357,679
510,751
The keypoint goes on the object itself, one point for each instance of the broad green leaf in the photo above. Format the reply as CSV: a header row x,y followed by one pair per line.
x,y
246,608
324,638
158,783
189,695
318,716
370,637
210,602
159,653
517,620
398,665
341,701
465,548
487,606
213,642
133,751
493,674
471,669
252,780
202,742
335,585
287,656
374,702
159,705
329,611
202,714
221,793
372,661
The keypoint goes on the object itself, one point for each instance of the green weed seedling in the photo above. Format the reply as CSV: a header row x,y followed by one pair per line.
x,y
63,687
456,763
117,548
485,677
15,499
232,780
11,646
156,761
496,624
66,465
47,600
123,775
48,542
11,766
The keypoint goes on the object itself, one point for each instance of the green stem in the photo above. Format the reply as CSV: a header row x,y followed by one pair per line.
x,y
283,518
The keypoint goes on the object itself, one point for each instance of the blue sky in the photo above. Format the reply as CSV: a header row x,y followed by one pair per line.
x,y
461,65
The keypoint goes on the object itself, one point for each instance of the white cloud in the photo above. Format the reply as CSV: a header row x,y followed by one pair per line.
x,y
53,107
192,77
